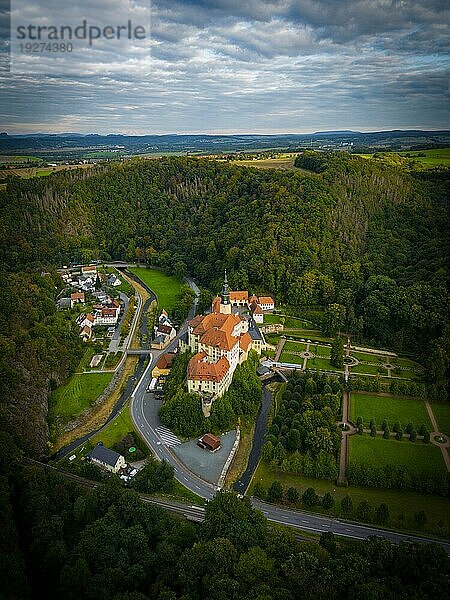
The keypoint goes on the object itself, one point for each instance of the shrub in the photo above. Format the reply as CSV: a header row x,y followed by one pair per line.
x,y
275,492
327,501
310,498
292,495
346,504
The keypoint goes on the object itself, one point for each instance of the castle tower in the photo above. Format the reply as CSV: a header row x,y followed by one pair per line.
x,y
225,304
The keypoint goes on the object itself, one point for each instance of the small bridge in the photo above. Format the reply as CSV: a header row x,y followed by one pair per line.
x,y
139,352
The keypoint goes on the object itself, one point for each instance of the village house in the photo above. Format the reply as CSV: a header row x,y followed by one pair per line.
x,y
86,333
64,304
106,458
162,367
78,297
89,270
165,332
106,316
114,280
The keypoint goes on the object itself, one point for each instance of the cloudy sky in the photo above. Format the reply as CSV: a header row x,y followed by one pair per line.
x,y
225,66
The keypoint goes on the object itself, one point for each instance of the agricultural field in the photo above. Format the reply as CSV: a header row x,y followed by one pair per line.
x,y
403,410
376,452
442,415
28,172
69,400
6,159
166,287
431,158
436,157
266,163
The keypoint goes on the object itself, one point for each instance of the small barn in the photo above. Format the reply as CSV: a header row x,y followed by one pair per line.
x,y
209,442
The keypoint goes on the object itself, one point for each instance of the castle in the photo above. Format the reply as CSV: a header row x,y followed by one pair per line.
x,y
221,341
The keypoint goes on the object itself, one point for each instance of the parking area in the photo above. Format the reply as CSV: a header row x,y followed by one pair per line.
x,y
207,465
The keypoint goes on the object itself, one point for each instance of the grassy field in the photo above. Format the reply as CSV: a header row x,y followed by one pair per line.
x,y
166,287
115,431
69,400
442,415
376,452
323,351
321,363
432,158
291,358
294,347
374,358
371,369
404,410
313,335
86,359
398,501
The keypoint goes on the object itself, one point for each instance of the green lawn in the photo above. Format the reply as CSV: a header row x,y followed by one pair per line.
x,y
373,358
272,338
166,287
69,400
307,334
323,351
404,410
398,501
289,322
405,363
291,358
320,363
376,452
87,357
442,415
294,347
371,369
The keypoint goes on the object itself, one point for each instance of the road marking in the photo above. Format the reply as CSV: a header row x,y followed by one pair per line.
x,y
168,438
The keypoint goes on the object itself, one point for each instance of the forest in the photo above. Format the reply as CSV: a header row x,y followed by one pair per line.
x,y
360,239
108,544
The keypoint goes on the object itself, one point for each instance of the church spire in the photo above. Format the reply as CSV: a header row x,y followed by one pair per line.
x,y
225,290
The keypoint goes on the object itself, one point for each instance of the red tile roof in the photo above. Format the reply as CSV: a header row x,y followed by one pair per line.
x,y
245,341
199,369
266,300
211,440
165,361
77,296
241,295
